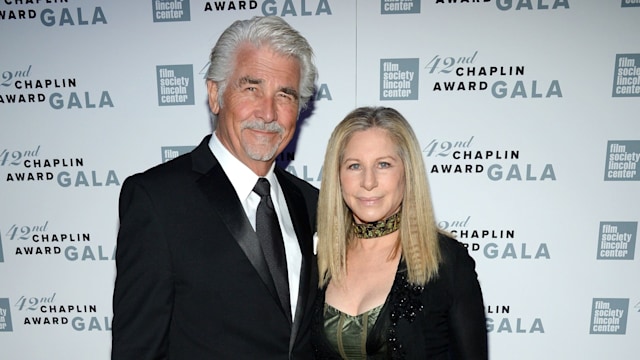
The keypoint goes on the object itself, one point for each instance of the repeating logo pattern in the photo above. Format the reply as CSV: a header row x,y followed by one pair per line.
x,y
469,73
171,10
494,243
510,57
5,315
26,86
56,14
172,152
617,240
399,79
51,311
40,241
465,156
609,316
623,157
626,78
630,3
502,319
399,7
30,166
175,85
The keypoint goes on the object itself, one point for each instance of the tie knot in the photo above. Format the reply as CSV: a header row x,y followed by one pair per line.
x,y
262,187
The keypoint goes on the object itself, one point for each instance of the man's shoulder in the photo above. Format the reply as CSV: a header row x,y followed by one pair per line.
x,y
164,175
176,168
177,164
286,177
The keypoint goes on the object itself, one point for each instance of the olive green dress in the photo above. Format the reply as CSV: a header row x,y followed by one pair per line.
x,y
348,334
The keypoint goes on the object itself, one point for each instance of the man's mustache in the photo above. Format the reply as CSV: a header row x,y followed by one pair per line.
x,y
262,126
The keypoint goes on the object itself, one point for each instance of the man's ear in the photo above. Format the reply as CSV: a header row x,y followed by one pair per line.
x,y
212,90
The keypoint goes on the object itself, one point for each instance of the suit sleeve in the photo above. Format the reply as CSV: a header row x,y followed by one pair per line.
x,y
467,317
143,293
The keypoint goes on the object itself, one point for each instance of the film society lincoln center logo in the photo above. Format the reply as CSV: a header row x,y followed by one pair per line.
x,y
175,85
5,315
171,10
623,157
617,240
609,316
392,7
172,152
626,77
399,79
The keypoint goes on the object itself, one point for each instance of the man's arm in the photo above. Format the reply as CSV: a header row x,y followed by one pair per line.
x,y
143,294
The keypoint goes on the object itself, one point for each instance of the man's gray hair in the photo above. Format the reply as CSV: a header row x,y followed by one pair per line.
x,y
270,31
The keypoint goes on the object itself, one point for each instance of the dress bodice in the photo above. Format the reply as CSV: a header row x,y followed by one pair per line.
x,y
347,334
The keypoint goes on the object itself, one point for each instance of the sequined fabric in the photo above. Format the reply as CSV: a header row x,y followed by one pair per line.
x,y
407,305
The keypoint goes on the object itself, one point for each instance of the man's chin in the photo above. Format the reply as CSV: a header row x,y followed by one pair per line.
x,y
261,154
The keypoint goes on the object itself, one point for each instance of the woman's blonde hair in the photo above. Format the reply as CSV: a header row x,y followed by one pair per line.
x,y
418,233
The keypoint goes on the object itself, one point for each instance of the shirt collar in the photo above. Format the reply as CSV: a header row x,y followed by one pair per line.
x,y
242,178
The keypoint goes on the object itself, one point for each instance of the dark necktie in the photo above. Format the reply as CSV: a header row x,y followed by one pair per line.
x,y
270,237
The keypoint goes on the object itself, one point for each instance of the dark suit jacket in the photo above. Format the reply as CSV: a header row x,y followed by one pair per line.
x,y
190,283
444,320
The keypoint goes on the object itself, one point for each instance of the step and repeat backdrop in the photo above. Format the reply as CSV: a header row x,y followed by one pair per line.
x,y
528,112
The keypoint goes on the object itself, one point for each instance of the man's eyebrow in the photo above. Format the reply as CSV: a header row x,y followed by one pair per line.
x,y
285,89
249,80
290,91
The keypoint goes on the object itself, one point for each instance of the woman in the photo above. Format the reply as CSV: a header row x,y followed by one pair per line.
x,y
392,286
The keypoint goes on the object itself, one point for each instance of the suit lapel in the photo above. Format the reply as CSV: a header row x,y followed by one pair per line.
x,y
300,219
217,188
224,201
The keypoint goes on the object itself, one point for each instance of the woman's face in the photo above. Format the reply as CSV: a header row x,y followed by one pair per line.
x,y
372,176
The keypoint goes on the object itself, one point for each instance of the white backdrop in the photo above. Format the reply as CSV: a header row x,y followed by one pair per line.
x,y
527,111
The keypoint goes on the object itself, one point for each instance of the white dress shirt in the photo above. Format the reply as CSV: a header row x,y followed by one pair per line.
x,y
243,180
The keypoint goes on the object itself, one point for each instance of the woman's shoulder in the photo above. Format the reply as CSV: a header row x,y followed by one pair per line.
x,y
457,263
450,247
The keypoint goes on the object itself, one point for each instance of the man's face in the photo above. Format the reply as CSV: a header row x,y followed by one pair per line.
x,y
260,106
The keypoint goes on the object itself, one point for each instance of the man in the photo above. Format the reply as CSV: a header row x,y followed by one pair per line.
x,y
195,280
